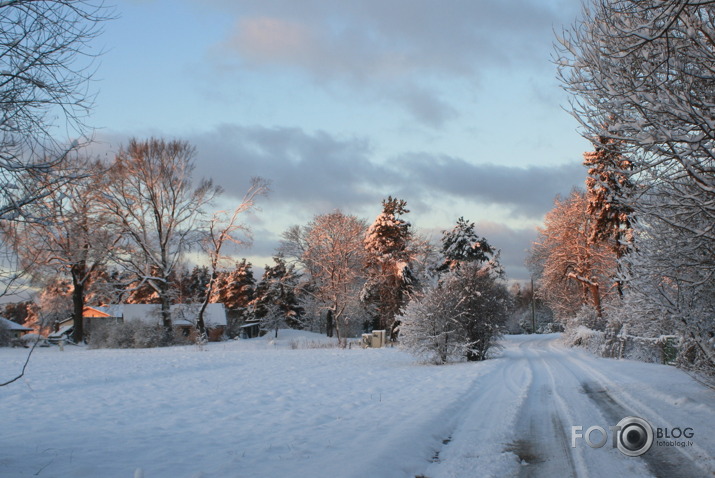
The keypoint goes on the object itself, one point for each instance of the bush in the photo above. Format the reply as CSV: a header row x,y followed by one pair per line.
x,y
461,318
134,334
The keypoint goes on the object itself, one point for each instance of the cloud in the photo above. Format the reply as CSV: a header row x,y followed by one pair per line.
x,y
307,170
393,46
528,191
318,172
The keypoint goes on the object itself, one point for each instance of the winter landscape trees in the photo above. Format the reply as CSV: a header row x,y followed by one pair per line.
x,y
461,314
149,193
641,75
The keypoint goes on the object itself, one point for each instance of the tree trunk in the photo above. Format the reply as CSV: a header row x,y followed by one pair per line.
x,y
77,307
166,318
596,294
329,323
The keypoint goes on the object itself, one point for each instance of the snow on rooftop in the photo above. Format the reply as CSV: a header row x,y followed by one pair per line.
x,y
9,324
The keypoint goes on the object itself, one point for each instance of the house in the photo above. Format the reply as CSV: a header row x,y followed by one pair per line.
x,y
16,330
183,316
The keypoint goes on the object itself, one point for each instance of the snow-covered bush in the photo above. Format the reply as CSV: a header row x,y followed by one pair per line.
x,y
133,334
460,318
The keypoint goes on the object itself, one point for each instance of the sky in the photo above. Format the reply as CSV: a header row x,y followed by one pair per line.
x,y
452,106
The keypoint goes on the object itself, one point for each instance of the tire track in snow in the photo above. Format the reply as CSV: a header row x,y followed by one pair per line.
x,y
615,404
541,417
484,425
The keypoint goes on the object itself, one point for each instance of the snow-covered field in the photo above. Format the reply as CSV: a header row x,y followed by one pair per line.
x,y
264,408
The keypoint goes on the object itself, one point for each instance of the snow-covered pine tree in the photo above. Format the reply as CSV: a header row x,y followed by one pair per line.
x,y
388,254
462,244
609,188
235,288
276,303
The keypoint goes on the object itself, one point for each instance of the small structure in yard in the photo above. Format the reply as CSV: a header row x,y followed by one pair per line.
x,y
375,340
251,330
16,330
183,316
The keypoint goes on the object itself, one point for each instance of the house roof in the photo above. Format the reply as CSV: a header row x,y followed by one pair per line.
x,y
181,314
104,311
9,324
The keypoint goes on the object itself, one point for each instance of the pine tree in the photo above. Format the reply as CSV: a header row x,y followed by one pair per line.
x,y
609,187
462,244
387,244
236,288
276,303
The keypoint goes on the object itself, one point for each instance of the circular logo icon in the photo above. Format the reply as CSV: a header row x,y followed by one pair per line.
x,y
635,436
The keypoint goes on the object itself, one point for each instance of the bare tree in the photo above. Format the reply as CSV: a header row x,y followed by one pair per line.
x,y
150,196
225,228
73,238
46,63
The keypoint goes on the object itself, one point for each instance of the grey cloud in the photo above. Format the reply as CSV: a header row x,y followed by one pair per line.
x,y
306,170
425,106
389,46
317,172
529,191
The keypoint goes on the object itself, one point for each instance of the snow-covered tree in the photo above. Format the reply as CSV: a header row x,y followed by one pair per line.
x,y
235,290
276,304
462,244
642,75
389,253
46,63
331,254
609,189
150,195
460,318
671,287
571,269
74,237
530,313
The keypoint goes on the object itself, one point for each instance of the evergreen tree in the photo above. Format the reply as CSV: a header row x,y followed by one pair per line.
x,y
462,244
275,303
236,288
389,253
609,186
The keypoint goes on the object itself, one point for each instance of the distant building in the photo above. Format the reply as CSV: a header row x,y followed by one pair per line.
x,y
16,330
183,316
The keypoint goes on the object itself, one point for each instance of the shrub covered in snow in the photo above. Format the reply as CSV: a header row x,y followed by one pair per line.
x,y
460,318
132,334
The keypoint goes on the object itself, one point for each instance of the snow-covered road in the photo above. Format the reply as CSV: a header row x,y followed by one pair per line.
x,y
550,389
260,408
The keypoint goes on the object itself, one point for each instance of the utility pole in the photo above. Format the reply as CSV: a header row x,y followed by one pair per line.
x,y
533,308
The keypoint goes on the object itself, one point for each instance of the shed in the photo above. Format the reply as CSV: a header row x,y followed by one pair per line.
x,y
16,330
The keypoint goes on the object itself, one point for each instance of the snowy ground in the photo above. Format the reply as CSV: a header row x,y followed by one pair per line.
x,y
262,408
